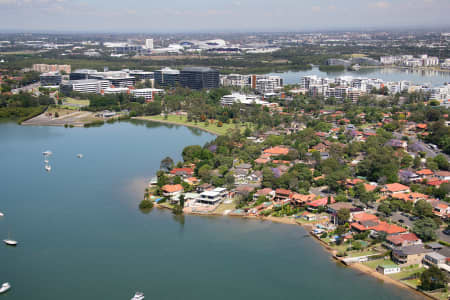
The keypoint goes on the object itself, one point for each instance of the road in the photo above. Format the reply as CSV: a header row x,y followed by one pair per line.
x,y
74,119
424,147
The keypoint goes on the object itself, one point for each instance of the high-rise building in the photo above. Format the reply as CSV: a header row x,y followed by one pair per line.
x,y
167,77
149,44
198,78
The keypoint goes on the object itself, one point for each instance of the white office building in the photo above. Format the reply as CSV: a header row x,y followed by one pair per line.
x,y
148,94
85,85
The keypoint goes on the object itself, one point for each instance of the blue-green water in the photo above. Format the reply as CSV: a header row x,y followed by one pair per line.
x,y
82,237
416,76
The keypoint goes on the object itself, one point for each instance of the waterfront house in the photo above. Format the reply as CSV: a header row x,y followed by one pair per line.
x,y
410,255
434,259
212,197
300,199
387,269
266,192
183,172
172,190
402,240
282,194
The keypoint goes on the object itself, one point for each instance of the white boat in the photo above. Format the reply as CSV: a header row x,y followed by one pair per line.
x,y
48,168
80,155
1,214
5,287
10,242
47,153
46,161
138,296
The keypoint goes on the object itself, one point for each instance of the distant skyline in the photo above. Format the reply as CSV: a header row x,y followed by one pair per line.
x,y
213,16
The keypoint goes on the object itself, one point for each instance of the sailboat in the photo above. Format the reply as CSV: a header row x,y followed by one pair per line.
x,y
5,287
10,242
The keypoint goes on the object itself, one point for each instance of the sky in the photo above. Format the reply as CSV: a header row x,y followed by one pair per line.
x,y
213,15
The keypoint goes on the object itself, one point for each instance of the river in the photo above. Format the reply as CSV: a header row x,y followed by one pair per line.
x,y
417,76
82,235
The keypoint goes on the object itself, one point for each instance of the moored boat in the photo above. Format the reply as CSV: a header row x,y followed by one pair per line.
x,y
47,153
5,287
1,214
10,242
48,168
138,296
80,155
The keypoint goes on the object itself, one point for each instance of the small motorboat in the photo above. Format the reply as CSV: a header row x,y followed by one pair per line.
x,y
138,296
47,153
1,214
80,155
46,161
10,242
5,287
48,168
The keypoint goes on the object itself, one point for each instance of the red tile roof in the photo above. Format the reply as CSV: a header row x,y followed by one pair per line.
x,y
188,171
363,216
396,187
277,151
172,188
400,238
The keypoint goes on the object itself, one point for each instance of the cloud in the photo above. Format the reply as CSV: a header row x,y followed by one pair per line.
x,y
380,4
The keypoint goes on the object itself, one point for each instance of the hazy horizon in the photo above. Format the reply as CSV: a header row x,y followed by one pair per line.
x,y
196,16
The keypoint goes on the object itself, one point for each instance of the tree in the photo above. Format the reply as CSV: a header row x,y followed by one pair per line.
x,y
385,209
423,209
425,229
166,164
343,215
442,162
433,278
181,200
145,204
205,173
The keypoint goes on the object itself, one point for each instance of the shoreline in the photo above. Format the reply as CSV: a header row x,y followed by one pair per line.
x,y
308,227
175,123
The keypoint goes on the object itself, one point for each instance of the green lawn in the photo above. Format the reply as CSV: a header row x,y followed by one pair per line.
x,y
182,120
406,273
362,253
375,263
413,282
69,100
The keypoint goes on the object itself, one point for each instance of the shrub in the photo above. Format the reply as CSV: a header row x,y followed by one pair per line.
x,y
145,204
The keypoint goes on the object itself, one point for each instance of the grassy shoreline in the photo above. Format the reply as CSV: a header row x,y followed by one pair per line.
x,y
182,120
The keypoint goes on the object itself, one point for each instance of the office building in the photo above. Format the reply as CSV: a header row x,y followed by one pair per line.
x,y
50,79
85,86
116,78
142,75
148,94
198,78
81,74
167,77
